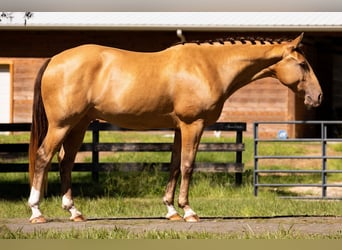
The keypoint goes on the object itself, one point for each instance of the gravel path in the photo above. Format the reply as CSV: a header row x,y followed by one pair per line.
x,y
307,225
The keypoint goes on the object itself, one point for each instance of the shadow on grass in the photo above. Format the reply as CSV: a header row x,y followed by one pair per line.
x,y
13,191
283,192
17,189
113,184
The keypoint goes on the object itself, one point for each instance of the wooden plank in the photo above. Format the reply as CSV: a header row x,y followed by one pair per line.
x,y
15,127
13,167
159,147
104,126
14,147
137,166
130,166
224,126
222,147
229,167
134,147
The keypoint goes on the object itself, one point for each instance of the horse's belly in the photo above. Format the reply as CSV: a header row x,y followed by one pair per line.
x,y
139,121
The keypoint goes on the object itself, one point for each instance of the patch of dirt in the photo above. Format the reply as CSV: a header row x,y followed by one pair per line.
x,y
306,225
333,192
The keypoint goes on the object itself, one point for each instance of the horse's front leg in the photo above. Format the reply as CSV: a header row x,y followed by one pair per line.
x,y
168,199
191,135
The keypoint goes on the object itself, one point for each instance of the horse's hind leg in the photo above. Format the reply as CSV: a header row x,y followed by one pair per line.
x,y
50,145
66,158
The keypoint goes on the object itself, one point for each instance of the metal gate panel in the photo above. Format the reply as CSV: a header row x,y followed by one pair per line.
x,y
323,170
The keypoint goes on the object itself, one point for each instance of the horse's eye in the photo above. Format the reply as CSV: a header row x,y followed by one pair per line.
x,y
304,66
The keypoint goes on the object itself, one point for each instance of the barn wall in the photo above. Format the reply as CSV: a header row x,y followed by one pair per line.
x,y
262,100
24,75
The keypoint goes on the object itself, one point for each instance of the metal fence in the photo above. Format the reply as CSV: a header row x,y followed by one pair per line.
x,y
322,158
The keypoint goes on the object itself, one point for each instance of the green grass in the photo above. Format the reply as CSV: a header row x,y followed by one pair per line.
x,y
122,195
139,194
120,233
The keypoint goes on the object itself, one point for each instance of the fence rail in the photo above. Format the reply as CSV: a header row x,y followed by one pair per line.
x,y
324,157
95,147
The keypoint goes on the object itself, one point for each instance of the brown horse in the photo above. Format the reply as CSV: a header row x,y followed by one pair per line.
x,y
183,87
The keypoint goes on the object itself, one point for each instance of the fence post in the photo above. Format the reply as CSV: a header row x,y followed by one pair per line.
x,y
238,158
324,159
95,152
255,175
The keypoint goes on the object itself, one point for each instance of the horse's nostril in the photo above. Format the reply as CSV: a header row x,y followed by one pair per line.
x,y
308,98
320,98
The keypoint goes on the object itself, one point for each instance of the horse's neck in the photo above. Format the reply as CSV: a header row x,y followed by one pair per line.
x,y
238,65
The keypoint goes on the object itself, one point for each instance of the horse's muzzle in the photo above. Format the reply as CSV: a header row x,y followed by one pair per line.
x,y
315,101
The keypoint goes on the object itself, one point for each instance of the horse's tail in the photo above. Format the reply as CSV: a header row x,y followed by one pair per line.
x,y
39,125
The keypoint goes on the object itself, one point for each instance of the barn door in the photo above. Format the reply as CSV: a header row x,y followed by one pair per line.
x,y
6,92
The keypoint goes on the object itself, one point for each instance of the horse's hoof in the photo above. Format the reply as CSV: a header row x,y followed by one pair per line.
x,y
78,218
37,220
192,218
175,217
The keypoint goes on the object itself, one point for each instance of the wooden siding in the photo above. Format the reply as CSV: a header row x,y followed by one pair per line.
x,y
24,74
262,100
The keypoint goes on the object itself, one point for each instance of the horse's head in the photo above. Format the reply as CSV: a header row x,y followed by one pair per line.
x,y
295,72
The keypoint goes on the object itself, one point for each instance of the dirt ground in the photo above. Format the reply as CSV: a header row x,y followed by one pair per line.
x,y
306,225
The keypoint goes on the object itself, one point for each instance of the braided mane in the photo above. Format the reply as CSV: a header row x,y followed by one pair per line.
x,y
243,40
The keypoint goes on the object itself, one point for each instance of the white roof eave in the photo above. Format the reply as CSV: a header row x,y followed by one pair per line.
x,y
236,28
225,21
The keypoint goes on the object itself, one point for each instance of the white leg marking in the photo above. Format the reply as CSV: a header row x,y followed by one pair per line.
x,y
170,211
74,213
189,212
68,204
34,203
35,212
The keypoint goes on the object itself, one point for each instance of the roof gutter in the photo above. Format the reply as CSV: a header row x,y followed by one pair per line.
x,y
187,21
152,27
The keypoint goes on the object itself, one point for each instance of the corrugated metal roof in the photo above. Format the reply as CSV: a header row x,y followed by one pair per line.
x,y
322,21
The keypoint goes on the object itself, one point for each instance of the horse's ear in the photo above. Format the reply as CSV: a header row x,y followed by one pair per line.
x,y
293,45
297,41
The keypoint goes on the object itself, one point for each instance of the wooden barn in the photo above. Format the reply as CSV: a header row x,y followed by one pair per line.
x,y
27,41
